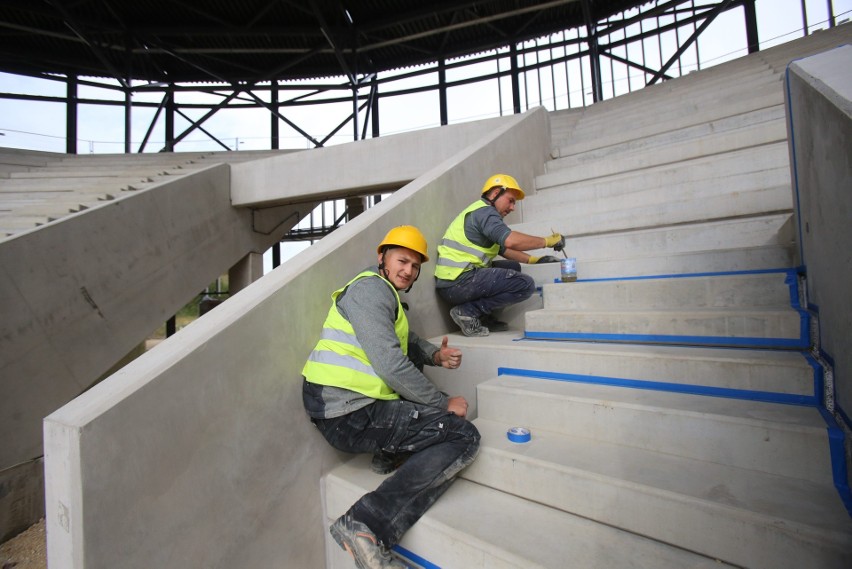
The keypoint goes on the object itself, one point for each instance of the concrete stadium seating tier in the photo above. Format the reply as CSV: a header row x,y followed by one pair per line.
x,y
675,392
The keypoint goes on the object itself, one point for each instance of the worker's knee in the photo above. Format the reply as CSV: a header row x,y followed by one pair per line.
x,y
525,285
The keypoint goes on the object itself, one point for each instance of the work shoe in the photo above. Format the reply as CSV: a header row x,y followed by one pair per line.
x,y
385,463
493,324
362,545
469,325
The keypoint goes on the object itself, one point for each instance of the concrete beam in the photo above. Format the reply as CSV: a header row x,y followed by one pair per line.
x,y
368,166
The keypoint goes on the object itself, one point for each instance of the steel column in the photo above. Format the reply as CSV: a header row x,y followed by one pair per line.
x,y
375,110
274,131
442,91
594,54
752,38
516,86
170,120
71,115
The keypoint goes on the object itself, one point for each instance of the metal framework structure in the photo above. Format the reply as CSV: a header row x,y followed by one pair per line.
x,y
280,55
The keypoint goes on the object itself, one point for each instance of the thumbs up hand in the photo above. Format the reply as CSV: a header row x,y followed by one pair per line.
x,y
446,356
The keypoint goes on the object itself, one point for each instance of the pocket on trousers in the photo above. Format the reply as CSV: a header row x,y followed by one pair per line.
x,y
397,430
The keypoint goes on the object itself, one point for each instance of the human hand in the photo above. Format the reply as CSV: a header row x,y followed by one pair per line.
x,y
556,241
457,406
448,357
545,259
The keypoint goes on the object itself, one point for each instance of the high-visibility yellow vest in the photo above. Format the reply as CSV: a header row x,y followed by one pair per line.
x,y
338,358
457,254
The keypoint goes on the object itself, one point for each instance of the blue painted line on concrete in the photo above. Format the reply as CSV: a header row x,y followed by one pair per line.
x,y
730,393
414,557
838,459
786,343
683,275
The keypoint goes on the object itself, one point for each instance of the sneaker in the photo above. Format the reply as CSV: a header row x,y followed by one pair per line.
x,y
362,545
470,325
385,463
493,324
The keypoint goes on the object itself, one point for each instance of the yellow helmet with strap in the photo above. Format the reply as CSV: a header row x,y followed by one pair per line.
x,y
406,236
504,181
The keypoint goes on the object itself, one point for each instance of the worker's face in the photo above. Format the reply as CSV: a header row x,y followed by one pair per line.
x,y
402,266
505,204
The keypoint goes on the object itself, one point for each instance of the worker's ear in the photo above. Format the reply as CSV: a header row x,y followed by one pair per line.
x,y
380,260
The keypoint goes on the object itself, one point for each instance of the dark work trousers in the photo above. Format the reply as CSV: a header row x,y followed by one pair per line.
x,y
439,443
487,290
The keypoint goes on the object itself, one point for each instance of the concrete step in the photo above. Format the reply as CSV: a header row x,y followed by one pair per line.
x,y
743,290
61,183
700,171
748,73
751,243
128,171
732,259
14,157
476,527
752,74
822,40
746,518
754,128
740,161
774,438
672,116
764,375
754,92
702,205
731,327
111,159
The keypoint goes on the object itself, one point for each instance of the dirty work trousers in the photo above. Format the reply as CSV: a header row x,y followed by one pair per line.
x,y
487,290
439,443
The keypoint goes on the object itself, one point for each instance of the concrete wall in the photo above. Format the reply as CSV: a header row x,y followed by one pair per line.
x,y
199,454
820,111
79,294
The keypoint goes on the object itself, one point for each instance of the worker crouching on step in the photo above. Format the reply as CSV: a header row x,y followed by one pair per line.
x,y
466,275
365,392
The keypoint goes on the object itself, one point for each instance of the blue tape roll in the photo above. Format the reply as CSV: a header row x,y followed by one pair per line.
x,y
519,435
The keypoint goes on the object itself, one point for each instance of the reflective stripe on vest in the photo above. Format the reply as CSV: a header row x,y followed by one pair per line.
x,y
339,360
457,254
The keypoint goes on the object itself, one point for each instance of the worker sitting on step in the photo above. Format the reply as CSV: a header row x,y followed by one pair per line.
x,y
364,392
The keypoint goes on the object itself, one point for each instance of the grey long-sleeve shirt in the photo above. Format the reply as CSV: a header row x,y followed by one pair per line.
x,y
484,227
370,306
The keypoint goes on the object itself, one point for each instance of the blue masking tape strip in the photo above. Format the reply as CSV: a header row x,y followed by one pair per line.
x,y
519,435
767,396
838,459
790,343
411,556
685,275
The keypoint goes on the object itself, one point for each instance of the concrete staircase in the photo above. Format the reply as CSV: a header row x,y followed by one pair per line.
x,y
674,408
37,188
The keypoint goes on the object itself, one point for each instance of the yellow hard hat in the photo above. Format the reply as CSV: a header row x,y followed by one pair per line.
x,y
503,181
406,236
